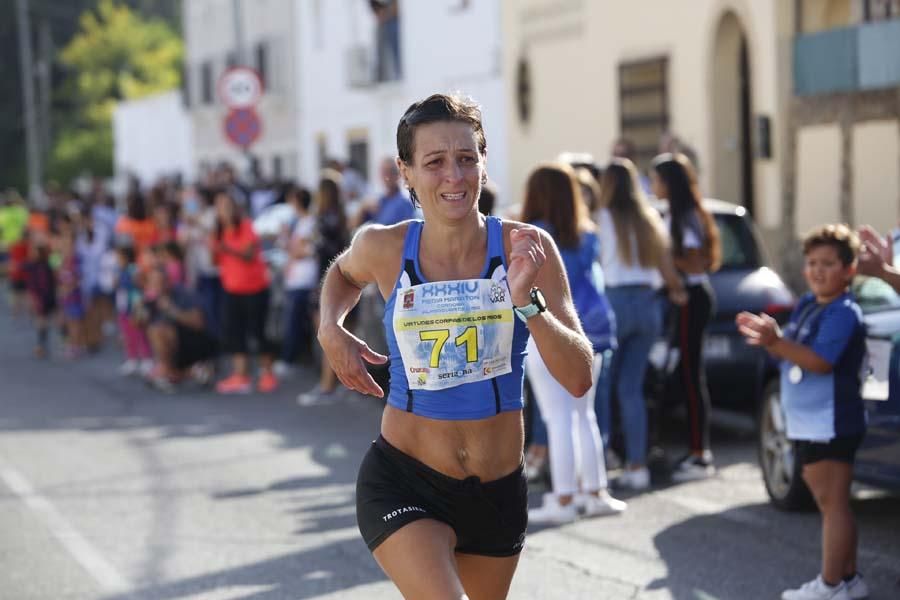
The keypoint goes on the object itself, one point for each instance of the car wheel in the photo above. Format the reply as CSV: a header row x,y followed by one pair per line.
x,y
781,473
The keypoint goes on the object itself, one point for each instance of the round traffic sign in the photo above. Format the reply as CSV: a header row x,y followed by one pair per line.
x,y
242,126
240,87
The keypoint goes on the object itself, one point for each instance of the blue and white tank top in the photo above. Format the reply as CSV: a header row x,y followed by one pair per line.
x,y
456,347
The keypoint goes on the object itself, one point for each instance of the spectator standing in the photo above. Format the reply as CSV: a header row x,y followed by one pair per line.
x,y
245,279
332,237
553,203
198,226
634,259
394,206
822,351
301,276
696,252
70,296
136,228
138,357
41,284
92,242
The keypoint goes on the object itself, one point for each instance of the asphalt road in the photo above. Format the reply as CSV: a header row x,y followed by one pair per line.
x,y
109,490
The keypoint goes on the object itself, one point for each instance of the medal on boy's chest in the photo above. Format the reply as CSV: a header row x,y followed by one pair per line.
x,y
795,374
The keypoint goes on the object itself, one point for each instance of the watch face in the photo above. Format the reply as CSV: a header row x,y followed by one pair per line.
x,y
537,297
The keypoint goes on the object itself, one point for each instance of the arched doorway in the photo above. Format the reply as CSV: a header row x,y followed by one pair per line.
x,y
732,147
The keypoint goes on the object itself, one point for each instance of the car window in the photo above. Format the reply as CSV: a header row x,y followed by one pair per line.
x,y
739,247
873,294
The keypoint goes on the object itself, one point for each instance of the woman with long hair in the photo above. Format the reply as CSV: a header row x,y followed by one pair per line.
x,y
553,203
696,251
332,236
245,279
634,258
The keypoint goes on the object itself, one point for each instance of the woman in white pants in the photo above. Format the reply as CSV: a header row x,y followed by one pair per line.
x,y
577,467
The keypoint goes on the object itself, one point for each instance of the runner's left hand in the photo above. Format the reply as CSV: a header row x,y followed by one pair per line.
x,y
526,257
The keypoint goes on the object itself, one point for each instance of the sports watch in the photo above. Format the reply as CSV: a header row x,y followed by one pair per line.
x,y
536,307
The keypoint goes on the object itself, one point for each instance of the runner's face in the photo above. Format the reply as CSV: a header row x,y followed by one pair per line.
x,y
825,274
446,169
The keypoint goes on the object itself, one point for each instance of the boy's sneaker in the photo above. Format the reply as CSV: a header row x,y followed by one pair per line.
x,y
282,369
552,512
857,588
316,396
267,382
202,373
597,506
692,468
128,368
634,479
162,384
146,367
817,589
235,384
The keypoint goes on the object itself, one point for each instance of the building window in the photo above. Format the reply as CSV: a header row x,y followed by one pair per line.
x,y
186,86
358,156
643,106
206,81
231,59
388,66
322,150
880,10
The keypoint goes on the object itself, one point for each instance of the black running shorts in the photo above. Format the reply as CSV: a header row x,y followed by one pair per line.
x,y
842,449
394,489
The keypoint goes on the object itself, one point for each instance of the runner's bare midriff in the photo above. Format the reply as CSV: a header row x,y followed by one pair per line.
x,y
486,448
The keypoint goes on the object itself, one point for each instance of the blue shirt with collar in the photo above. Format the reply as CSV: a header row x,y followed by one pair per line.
x,y
394,208
822,406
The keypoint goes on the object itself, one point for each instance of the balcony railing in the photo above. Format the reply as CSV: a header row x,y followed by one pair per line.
x,y
849,59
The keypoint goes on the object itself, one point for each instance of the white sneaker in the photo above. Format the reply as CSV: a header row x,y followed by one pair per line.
x,y
597,506
317,396
282,369
146,367
634,479
128,368
857,588
693,468
817,589
552,512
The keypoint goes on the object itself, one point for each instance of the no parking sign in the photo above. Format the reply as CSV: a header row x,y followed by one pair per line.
x,y
240,89
242,126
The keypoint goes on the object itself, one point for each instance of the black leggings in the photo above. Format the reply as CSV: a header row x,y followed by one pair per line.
x,y
687,385
245,317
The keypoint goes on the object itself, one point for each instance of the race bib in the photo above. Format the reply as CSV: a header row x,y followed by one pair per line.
x,y
454,332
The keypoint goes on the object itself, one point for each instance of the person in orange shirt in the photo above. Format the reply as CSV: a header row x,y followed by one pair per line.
x,y
137,225
245,279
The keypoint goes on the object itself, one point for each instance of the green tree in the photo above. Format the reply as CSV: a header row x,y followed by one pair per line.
x,y
116,55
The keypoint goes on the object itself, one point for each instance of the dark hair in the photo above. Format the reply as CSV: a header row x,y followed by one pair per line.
x,y
685,204
839,236
328,197
438,107
301,193
126,252
174,250
236,216
487,199
552,195
136,206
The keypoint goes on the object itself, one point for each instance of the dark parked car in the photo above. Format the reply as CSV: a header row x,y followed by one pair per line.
x,y
878,460
736,373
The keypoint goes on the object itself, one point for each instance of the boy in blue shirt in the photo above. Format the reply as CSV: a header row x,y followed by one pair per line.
x,y
823,350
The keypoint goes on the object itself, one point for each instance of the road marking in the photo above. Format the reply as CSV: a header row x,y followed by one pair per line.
x,y
81,550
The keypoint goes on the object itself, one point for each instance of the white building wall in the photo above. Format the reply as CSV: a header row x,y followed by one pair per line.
x,y
152,138
444,48
210,37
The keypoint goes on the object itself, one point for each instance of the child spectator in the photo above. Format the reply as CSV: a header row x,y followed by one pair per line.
x,y
128,306
18,276
41,283
172,258
70,296
822,350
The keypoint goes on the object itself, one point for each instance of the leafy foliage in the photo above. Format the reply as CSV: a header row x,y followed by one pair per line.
x,y
116,55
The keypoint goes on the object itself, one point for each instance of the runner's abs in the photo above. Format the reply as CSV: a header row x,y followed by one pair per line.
x,y
486,448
